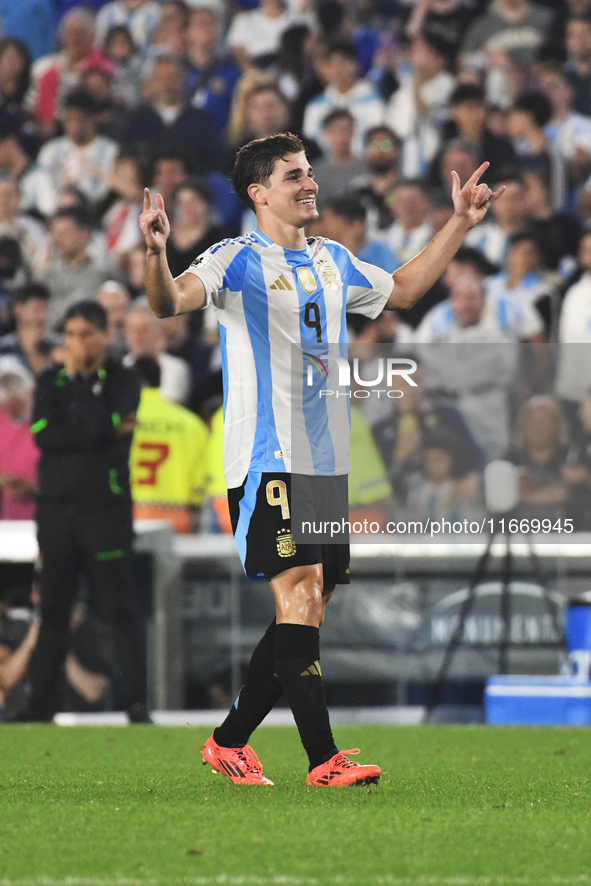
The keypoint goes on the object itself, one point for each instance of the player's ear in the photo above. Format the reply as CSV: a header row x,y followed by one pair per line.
x,y
257,193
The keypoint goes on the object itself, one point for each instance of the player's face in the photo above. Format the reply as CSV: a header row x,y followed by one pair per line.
x,y
291,190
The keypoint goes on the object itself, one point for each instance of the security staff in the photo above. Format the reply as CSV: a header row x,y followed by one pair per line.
x,y
83,421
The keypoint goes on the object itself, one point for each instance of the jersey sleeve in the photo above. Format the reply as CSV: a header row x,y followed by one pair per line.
x,y
221,270
368,287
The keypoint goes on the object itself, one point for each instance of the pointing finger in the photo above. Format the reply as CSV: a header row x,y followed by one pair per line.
x,y
147,199
158,200
455,183
477,173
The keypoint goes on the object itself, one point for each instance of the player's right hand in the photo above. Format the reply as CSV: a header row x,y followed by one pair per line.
x,y
154,223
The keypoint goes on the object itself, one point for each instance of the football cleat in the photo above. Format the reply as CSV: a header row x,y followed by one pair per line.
x,y
339,772
240,765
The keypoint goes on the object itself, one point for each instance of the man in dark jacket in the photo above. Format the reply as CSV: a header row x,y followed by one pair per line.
x,y
83,421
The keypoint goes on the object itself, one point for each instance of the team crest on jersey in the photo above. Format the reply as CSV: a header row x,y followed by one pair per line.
x,y
285,545
328,275
307,280
202,260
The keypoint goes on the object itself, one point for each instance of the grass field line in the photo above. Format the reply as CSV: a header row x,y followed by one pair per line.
x,y
286,880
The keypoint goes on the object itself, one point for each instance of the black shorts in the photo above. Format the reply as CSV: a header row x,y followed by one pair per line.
x,y
260,511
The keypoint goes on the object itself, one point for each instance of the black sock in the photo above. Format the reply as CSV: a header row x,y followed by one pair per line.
x,y
259,694
297,654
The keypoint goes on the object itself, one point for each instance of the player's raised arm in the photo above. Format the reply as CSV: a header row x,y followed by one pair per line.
x,y
471,203
167,295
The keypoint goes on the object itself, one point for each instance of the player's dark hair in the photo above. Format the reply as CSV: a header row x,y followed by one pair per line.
x,y
89,310
148,370
536,104
337,114
350,208
256,161
466,92
29,291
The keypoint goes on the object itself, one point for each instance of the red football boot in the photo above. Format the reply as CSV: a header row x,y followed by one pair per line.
x,y
339,772
240,765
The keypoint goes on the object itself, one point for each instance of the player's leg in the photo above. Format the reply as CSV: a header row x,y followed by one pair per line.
x,y
299,604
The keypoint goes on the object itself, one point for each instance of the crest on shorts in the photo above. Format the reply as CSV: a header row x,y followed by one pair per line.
x,y
285,545
307,280
328,275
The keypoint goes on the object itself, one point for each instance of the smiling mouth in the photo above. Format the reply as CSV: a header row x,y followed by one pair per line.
x,y
307,201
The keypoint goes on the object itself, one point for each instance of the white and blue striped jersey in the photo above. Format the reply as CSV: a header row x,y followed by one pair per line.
x,y
267,298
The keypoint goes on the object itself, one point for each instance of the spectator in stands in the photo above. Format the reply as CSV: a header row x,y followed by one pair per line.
x,y
457,154
370,492
144,337
13,273
540,451
576,471
114,298
343,220
184,339
168,457
80,157
401,436
530,114
382,156
211,77
29,343
216,498
412,228
558,233
574,336
578,64
569,130
19,143
526,283
27,231
141,17
418,109
504,42
439,490
121,52
16,649
72,273
255,34
18,453
192,230
57,75
468,120
344,89
510,216
169,170
334,171
166,122
445,19
120,208
169,36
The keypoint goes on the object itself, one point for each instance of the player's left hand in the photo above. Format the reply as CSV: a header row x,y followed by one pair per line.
x,y
472,202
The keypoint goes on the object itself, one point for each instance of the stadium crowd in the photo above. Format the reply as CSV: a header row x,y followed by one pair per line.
x,y
99,100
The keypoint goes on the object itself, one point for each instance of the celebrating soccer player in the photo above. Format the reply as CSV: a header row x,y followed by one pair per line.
x,y
271,289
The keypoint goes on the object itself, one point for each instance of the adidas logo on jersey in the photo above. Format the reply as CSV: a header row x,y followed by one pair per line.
x,y
281,283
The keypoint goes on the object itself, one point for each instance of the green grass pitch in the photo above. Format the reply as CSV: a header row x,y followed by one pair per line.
x,y
457,806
